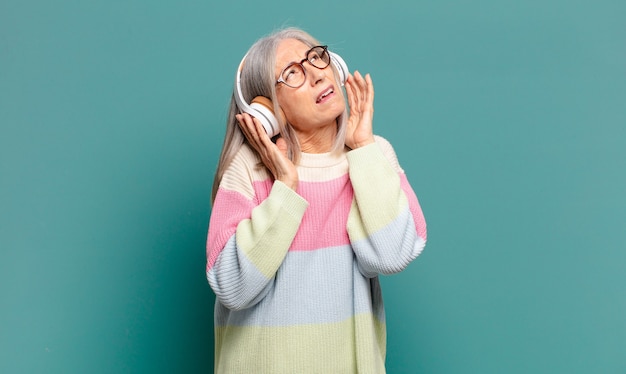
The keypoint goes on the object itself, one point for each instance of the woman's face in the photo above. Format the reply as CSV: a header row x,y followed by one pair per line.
x,y
318,102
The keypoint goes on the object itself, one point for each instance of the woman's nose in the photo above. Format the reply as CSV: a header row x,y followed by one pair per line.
x,y
317,76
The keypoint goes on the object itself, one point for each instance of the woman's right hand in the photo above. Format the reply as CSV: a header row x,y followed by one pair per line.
x,y
273,156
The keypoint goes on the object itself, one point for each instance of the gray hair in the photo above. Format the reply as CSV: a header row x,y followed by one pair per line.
x,y
257,79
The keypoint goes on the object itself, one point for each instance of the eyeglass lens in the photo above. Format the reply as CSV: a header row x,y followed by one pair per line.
x,y
294,74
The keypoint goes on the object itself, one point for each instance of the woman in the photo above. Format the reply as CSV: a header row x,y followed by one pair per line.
x,y
302,226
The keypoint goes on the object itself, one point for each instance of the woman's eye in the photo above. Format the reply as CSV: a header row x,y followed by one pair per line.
x,y
290,74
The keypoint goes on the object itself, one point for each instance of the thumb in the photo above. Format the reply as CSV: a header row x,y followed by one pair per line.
x,y
282,146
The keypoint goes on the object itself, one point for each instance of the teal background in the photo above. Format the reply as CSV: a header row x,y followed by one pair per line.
x,y
508,117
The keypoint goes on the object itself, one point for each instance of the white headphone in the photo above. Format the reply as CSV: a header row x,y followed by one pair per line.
x,y
261,107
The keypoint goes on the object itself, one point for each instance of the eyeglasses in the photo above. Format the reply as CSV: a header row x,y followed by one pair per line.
x,y
294,75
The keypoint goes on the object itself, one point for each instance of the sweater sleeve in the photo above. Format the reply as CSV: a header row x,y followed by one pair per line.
x,y
386,225
247,242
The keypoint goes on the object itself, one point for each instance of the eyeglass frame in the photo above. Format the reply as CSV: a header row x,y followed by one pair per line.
x,y
301,63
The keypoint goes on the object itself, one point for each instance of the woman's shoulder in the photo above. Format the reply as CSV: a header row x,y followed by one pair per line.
x,y
245,168
246,155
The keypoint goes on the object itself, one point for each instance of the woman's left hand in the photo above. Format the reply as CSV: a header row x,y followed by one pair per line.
x,y
361,101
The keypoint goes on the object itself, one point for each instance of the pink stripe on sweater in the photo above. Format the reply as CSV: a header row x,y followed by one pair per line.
x,y
230,207
414,206
324,222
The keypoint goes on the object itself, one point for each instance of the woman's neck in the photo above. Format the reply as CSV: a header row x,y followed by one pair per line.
x,y
318,141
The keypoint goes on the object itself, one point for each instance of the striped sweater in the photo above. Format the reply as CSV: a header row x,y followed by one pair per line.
x,y
296,274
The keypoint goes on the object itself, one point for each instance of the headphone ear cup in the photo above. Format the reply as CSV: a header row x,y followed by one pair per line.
x,y
260,108
263,110
341,66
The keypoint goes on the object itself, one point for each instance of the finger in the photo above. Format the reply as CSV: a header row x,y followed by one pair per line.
x,y
253,131
370,88
242,125
281,144
246,125
358,88
350,91
366,91
363,88
262,134
369,98
263,143
354,86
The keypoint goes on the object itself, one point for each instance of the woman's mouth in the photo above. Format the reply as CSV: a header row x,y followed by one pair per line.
x,y
325,95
